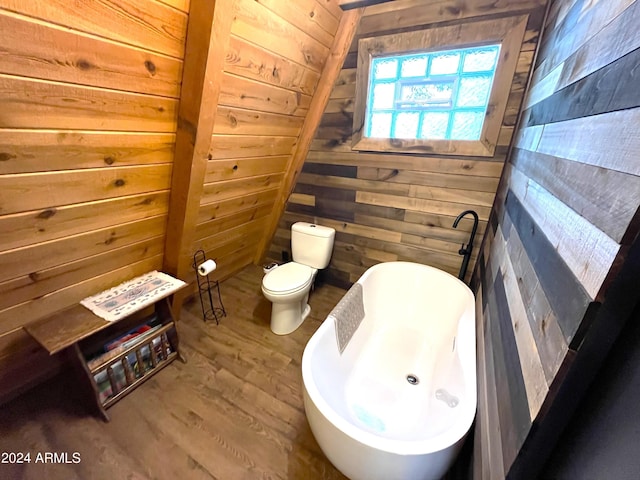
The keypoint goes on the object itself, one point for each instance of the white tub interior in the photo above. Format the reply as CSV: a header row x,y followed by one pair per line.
x,y
420,323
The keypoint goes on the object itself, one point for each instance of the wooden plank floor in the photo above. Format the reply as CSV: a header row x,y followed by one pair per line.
x,y
233,411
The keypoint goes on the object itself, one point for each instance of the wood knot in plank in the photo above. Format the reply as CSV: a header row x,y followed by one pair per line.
x,y
46,214
453,10
34,276
312,14
387,176
308,57
112,238
150,66
377,47
232,57
84,65
119,182
346,114
5,157
146,201
109,160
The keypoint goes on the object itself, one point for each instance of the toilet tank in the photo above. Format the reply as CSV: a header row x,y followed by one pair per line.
x,y
312,244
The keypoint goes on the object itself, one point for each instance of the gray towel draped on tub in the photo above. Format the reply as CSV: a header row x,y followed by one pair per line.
x,y
347,315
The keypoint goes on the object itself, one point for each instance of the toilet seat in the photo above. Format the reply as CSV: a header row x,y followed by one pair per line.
x,y
288,278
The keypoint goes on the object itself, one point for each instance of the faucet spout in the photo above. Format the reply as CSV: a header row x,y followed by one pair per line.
x,y
466,251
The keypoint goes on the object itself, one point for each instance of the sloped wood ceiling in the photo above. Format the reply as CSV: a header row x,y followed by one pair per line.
x,y
265,79
386,206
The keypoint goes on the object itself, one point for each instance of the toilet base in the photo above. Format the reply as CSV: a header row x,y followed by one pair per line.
x,y
287,317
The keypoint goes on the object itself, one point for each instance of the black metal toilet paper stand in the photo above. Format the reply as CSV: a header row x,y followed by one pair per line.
x,y
205,286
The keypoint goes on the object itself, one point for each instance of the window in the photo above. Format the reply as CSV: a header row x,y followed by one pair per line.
x,y
438,95
442,90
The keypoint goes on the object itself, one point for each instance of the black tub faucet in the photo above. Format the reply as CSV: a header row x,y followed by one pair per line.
x,y
466,251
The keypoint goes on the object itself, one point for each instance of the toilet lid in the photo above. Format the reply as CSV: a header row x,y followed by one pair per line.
x,y
289,276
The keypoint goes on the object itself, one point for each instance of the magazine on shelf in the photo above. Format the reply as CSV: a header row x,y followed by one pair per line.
x,y
114,347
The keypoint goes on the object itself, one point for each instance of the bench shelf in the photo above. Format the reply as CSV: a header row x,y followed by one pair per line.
x,y
110,376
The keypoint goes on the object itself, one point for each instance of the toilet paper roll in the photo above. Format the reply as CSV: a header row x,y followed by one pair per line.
x,y
206,268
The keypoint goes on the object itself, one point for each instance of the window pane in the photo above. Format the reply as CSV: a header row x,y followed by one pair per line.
x,y
380,125
406,125
480,60
383,95
474,92
434,125
385,69
467,125
414,67
445,63
432,94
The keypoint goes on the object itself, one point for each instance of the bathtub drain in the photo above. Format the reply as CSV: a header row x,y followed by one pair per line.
x,y
412,379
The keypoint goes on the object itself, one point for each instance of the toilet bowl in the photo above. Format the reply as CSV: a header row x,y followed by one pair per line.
x,y
287,288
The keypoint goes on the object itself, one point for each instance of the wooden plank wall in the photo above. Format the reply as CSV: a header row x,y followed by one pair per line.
x,y
88,100
274,56
566,212
388,207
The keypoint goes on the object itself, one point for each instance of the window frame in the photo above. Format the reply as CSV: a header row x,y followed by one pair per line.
x,y
508,32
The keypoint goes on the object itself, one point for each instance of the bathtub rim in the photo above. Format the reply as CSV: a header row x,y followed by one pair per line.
x,y
439,442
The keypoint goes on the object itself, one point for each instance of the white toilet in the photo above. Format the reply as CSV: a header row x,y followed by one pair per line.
x,y
288,285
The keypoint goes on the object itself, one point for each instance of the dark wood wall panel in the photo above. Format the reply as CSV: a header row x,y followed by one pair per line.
x,y
610,210
577,100
550,340
564,216
566,295
401,206
514,416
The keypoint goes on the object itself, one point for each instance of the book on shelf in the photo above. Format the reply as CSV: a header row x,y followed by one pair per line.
x,y
126,369
114,347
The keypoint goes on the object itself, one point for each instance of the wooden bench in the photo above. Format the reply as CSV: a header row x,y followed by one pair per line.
x,y
79,331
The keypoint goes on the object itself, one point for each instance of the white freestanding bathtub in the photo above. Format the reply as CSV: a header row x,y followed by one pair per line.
x,y
400,399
